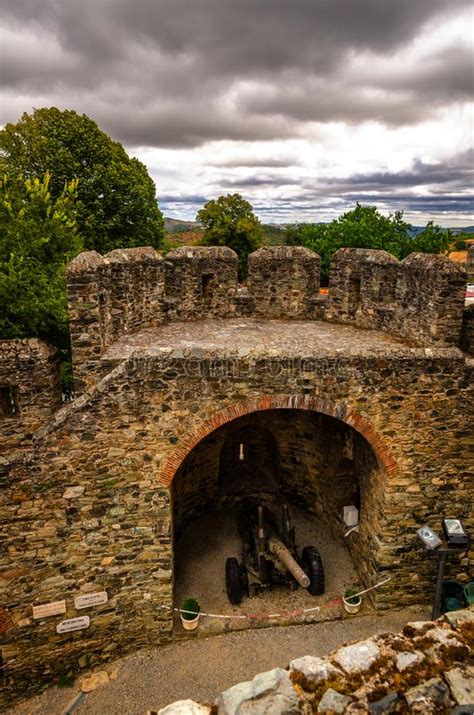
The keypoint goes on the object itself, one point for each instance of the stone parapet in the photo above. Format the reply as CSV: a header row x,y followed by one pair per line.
x,y
419,299
29,391
283,280
200,282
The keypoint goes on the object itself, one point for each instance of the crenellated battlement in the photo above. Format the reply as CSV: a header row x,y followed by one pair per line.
x,y
419,299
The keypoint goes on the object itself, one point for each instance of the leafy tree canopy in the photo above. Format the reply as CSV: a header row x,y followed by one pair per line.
x,y
230,221
116,201
38,238
366,227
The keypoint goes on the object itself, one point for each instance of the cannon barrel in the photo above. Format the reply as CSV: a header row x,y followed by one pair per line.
x,y
279,550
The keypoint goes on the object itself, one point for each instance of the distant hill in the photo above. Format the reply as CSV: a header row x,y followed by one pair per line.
x,y
175,225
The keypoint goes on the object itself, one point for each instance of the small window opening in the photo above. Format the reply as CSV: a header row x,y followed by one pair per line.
x,y
353,294
206,286
9,406
386,293
241,452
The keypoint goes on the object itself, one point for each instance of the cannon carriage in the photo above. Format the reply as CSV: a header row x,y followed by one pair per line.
x,y
270,556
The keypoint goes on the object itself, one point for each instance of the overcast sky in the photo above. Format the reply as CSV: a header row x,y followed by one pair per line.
x,y
302,106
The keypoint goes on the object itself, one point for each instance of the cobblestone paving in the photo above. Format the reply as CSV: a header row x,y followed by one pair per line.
x,y
258,336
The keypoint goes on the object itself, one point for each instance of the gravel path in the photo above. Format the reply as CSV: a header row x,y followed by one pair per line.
x,y
200,669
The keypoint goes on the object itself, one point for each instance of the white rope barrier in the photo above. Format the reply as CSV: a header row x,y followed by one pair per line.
x,y
261,616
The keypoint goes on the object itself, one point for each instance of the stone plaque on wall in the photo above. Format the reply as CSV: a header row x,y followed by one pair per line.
x,y
91,599
49,609
73,624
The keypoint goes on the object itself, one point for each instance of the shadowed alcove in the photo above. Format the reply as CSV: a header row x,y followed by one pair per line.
x,y
315,463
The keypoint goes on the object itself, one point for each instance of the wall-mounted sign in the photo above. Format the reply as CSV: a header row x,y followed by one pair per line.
x,y
91,599
73,624
49,609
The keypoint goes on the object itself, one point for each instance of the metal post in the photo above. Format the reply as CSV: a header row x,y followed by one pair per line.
x,y
436,612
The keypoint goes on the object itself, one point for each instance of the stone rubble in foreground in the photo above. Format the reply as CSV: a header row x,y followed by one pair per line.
x,y
428,668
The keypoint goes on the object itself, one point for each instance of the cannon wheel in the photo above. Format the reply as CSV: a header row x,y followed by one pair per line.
x,y
233,580
313,567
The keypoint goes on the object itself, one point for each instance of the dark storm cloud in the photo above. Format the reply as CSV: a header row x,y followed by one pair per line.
x,y
183,72
251,163
452,174
255,181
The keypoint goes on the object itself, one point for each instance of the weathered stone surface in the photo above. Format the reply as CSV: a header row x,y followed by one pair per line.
x,y
167,355
93,681
314,669
429,697
358,657
408,660
464,616
380,690
385,706
461,683
333,702
73,492
270,692
185,707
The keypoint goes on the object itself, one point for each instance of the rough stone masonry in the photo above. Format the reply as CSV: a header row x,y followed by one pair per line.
x,y
369,388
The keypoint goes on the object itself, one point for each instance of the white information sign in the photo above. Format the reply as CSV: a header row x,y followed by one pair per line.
x,y
73,624
91,599
49,609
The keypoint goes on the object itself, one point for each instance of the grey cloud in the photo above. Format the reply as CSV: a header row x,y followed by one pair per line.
x,y
254,181
249,163
180,72
442,187
457,171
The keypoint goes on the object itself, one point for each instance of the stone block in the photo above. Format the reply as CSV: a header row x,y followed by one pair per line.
x,y
408,660
429,698
461,683
333,702
270,692
314,669
185,707
359,657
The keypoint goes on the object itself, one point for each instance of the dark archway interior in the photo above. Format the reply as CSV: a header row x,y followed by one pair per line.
x,y
315,463
249,462
310,460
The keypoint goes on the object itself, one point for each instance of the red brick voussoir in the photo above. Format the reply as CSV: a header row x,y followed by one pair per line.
x,y
277,402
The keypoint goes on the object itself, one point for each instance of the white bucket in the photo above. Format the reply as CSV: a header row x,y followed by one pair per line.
x,y
190,625
351,607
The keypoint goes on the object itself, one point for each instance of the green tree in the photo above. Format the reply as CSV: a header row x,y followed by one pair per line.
x,y
366,227
116,204
38,237
230,221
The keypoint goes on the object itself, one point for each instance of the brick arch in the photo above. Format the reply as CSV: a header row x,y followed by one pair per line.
x,y
278,402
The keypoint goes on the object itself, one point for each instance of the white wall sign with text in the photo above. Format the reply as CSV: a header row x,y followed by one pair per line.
x,y
73,624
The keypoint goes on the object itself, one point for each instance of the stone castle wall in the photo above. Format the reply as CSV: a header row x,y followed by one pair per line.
x,y
89,511
90,493
420,299
29,393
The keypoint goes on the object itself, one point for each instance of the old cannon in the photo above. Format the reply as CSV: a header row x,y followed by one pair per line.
x,y
269,556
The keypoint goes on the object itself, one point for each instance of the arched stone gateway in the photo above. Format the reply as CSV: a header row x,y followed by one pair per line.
x,y
284,452
275,402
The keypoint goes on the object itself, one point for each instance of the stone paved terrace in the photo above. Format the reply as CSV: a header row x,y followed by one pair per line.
x,y
250,335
